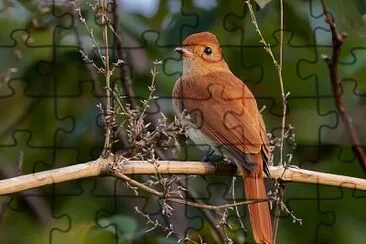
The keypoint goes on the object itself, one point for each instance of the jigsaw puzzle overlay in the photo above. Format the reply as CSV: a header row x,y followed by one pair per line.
x,y
49,114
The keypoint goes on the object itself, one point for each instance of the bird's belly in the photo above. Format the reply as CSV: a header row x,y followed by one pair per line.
x,y
200,139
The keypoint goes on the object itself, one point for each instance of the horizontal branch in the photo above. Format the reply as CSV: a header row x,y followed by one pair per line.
x,y
107,166
29,181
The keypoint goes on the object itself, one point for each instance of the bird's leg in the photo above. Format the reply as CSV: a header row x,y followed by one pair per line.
x,y
210,156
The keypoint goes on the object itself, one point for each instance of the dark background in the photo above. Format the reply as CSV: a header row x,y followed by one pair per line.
x,y
48,111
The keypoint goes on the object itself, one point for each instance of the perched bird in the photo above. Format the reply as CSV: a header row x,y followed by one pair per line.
x,y
222,112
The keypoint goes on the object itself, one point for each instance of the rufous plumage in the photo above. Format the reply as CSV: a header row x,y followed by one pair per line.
x,y
223,113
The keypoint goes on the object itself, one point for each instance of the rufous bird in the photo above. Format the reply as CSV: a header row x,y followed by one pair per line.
x,y
220,111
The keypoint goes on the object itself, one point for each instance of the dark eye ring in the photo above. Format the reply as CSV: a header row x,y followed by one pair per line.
x,y
208,51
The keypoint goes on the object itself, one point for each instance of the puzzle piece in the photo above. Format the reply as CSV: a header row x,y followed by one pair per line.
x,y
49,113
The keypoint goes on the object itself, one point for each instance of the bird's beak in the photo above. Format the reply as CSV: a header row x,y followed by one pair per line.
x,y
184,52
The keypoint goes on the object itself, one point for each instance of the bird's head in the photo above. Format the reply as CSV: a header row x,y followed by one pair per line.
x,y
201,54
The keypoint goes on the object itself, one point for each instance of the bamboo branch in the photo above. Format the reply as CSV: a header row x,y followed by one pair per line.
x,y
332,62
101,167
29,181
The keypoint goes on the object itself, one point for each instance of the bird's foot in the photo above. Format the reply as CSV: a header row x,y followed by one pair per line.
x,y
289,166
207,157
210,157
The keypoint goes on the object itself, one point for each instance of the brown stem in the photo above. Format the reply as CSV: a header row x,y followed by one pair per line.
x,y
219,236
125,72
36,204
108,127
126,78
337,41
141,186
121,135
127,85
277,214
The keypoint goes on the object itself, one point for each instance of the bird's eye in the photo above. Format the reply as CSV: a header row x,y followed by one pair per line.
x,y
208,51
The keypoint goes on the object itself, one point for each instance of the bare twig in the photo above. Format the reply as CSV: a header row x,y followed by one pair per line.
x,y
283,124
337,41
36,204
267,46
218,233
283,95
4,206
94,77
236,208
100,11
133,182
125,72
278,65
277,214
168,229
129,94
108,113
8,199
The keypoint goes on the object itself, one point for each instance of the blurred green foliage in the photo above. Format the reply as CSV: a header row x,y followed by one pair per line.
x,y
48,111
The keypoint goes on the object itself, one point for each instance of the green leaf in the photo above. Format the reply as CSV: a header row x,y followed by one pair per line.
x,y
122,225
30,5
262,3
163,240
347,16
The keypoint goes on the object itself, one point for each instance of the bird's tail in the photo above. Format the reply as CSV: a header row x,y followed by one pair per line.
x,y
259,214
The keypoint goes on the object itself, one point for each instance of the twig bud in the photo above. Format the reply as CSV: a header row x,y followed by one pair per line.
x,y
325,57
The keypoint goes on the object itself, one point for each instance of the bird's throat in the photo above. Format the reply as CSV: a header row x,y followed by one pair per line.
x,y
198,67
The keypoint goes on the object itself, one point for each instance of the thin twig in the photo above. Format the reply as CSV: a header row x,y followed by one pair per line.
x,y
278,65
92,68
169,229
8,199
277,214
211,219
94,77
95,43
127,85
283,124
283,95
4,206
125,72
236,208
141,186
37,205
126,78
108,113
267,46
332,62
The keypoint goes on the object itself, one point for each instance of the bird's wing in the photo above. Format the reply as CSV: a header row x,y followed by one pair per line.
x,y
224,109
